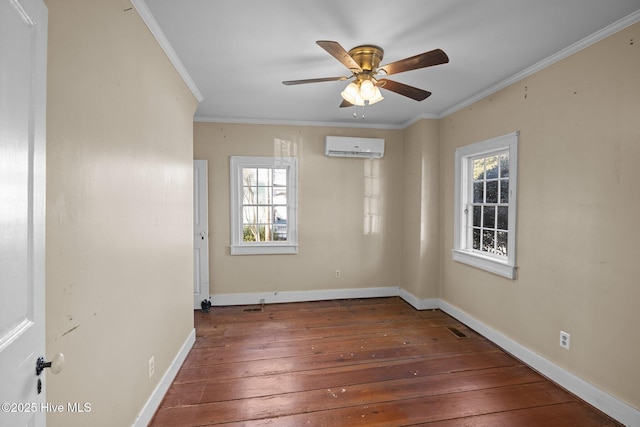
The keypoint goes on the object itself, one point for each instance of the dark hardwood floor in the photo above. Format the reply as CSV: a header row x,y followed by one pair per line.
x,y
371,362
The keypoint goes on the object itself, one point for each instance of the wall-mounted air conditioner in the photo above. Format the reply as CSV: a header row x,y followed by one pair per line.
x,y
364,148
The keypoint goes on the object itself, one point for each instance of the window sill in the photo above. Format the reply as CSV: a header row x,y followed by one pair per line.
x,y
264,249
485,263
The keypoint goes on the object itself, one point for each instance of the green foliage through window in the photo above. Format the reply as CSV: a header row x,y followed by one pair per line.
x,y
490,204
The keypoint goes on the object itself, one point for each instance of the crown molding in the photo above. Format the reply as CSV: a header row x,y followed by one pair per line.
x,y
144,12
558,56
418,118
207,119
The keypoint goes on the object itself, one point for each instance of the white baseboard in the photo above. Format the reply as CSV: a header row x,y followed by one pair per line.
x,y
615,408
149,409
302,296
417,303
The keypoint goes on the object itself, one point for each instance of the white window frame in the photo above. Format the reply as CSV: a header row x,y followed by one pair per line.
x,y
462,246
238,246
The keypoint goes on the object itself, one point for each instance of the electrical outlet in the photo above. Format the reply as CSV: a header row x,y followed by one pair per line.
x,y
565,340
152,366
338,274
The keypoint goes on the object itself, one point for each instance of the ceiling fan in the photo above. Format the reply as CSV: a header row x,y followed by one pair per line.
x,y
363,62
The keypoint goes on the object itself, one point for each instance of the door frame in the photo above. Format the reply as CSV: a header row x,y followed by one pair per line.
x,y
201,297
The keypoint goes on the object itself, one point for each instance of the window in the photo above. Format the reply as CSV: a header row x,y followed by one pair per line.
x,y
485,205
263,205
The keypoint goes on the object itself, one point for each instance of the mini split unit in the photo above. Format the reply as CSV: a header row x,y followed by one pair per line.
x,y
364,148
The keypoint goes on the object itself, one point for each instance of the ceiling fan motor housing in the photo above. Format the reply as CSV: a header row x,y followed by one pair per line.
x,y
367,56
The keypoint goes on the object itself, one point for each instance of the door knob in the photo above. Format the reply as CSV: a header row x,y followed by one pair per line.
x,y
56,364
202,234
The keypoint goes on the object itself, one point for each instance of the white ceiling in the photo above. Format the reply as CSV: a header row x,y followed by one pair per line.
x,y
238,52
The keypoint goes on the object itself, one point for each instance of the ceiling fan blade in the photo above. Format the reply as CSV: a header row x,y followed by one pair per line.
x,y
323,79
427,59
338,52
405,90
345,103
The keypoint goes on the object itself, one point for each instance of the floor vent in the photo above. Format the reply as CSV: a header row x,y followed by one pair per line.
x,y
252,310
457,332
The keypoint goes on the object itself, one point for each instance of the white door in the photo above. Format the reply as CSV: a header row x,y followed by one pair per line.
x,y
201,234
23,56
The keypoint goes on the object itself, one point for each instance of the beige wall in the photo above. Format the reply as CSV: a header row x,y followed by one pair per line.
x,y
577,213
349,211
421,215
119,210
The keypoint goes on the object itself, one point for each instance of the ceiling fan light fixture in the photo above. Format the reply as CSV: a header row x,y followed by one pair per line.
x,y
377,97
367,90
351,94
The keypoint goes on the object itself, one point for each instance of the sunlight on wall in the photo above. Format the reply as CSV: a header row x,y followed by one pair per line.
x,y
426,214
372,197
285,148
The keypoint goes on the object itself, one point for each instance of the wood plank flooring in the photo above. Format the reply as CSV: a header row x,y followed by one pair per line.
x,y
370,362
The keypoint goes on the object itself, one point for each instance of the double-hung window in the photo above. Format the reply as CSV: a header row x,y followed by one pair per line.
x,y
263,205
485,205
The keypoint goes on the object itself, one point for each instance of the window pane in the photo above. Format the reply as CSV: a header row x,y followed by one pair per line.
x,y
280,214
478,192
264,195
264,176
478,169
264,214
280,232
491,167
253,233
476,239
266,232
503,218
249,215
249,233
249,195
488,241
489,217
279,177
492,191
280,196
504,165
504,191
249,176
477,216
502,243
